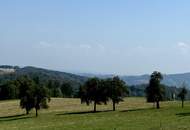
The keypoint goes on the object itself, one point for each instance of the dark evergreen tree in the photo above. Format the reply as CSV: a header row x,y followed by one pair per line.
x,y
155,92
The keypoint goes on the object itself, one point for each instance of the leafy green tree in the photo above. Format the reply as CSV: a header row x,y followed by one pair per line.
x,y
117,89
155,92
67,90
32,94
26,90
41,96
54,86
8,90
182,95
92,92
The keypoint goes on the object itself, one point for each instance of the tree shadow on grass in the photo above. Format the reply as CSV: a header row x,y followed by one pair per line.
x,y
183,114
4,117
14,117
139,109
83,112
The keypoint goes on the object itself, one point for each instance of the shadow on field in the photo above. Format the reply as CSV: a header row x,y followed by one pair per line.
x,y
78,113
183,114
139,109
14,117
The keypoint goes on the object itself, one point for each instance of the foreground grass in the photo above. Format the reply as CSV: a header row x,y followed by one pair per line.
x,y
69,114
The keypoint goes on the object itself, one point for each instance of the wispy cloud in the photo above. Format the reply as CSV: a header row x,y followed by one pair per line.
x,y
184,47
45,44
85,46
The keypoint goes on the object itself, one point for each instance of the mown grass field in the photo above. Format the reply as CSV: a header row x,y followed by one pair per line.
x,y
69,114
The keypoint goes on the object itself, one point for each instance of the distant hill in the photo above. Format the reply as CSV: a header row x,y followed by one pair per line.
x,y
169,80
12,72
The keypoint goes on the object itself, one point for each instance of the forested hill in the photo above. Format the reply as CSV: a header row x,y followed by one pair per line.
x,y
12,72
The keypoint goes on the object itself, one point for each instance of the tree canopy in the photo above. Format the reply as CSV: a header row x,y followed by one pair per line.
x,y
182,94
100,91
117,89
32,94
92,91
155,91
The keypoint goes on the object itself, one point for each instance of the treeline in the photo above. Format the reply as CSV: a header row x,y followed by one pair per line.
x,y
35,94
45,77
10,89
56,88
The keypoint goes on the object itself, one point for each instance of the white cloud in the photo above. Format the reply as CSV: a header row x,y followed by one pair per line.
x,y
184,47
101,47
85,46
45,44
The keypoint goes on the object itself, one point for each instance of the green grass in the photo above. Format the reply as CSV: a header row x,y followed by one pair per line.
x,y
69,114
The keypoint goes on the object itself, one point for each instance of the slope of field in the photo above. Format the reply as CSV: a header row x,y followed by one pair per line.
x,y
69,114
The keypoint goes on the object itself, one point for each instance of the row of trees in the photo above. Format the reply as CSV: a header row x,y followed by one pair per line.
x,y
33,94
58,89
100,91
10,90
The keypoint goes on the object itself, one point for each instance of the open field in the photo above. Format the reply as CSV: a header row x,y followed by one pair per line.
x,y
69,114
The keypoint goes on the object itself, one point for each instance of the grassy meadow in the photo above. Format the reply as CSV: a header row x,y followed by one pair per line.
x,y
69,114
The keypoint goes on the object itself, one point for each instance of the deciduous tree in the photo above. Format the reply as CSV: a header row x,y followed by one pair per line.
x,y
182,95
91,91
117,89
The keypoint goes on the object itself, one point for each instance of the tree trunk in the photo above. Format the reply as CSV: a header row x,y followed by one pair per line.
x,y
27,112
182,104
157,105
94,106
36,112
113,105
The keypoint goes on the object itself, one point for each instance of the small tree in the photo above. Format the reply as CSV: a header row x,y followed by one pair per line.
x,y
41,96
91,92
26,89
116,90
182,95
155,92
32,94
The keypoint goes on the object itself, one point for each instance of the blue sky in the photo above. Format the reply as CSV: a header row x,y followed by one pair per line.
x,y
126,37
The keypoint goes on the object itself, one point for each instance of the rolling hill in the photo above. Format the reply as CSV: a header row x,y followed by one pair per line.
x,y
169,80
11,72
43,74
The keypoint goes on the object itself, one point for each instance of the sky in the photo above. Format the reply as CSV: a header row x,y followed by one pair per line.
x,y
124,37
